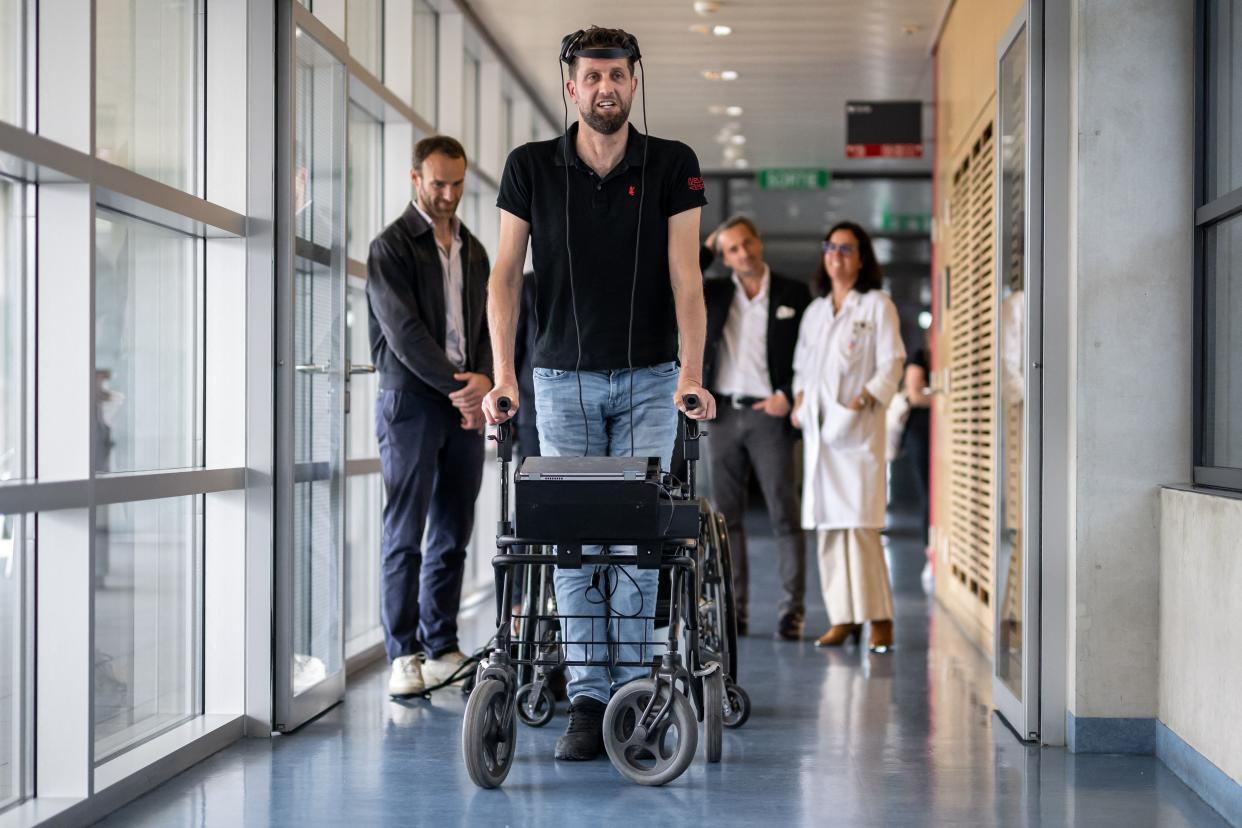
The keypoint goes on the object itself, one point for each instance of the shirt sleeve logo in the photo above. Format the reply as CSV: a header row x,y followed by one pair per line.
x,y
695,183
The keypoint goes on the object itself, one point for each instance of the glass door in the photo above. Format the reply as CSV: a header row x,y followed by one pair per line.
x,y
311,375
1019,292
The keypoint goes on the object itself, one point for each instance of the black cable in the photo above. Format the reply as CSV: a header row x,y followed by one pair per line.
x,y
642,194
569,257
611,585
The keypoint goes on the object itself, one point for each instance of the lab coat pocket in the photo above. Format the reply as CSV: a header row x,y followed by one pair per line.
x,y
843,429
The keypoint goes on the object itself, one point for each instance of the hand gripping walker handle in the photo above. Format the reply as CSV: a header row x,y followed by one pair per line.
x,y
504,455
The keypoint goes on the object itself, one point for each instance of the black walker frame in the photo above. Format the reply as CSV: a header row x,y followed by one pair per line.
x,y
511,682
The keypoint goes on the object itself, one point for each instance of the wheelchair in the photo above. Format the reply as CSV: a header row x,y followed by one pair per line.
x,y
651,726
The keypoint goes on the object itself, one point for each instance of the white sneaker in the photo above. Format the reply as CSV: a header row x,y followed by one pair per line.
x,y
439,670
407,675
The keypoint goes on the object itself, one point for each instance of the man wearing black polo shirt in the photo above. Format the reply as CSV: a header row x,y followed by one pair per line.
x,y
617,284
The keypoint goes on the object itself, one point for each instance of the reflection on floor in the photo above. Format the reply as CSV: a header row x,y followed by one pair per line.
x,y
840,738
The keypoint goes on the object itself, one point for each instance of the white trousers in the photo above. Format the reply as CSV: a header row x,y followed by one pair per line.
x,y
854,576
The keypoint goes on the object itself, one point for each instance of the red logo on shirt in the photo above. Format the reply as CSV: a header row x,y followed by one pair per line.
x,y
695,183
631,189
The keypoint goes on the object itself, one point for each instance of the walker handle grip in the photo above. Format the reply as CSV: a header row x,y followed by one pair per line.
x,y
690,401
504,404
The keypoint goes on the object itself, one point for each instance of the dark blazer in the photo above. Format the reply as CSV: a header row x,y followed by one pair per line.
x,y
782,333
406,318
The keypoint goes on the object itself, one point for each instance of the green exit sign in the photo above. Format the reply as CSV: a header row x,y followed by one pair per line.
x,y
792,179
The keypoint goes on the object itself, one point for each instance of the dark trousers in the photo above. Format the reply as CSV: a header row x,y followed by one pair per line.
x,y
742,440
918,446
432,471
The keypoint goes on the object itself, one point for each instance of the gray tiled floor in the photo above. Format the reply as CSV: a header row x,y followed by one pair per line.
x,y
836,738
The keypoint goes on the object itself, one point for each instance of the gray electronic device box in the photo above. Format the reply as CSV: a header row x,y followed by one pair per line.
x,y
590,469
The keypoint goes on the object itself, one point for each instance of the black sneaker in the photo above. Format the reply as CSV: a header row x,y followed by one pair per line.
x,y
584,738
789,628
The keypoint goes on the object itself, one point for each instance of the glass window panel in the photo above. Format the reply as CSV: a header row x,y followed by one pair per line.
x,y
363,495
1011,265
319,354
147,647
11,61
470,211
470,106
147,346
16,548
147,81
364,180
1222,369
363,388
426,59
364,34
506,142
13,309
1224,98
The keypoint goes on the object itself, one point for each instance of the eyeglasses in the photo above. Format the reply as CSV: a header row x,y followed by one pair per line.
x,y
843,249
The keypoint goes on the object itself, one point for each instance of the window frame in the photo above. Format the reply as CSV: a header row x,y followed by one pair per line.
x,y
1206,216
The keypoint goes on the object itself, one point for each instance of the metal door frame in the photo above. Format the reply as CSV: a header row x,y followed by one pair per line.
x,y
1023,715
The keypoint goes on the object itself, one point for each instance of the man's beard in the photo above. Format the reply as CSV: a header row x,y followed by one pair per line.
x,y
436,209
607,123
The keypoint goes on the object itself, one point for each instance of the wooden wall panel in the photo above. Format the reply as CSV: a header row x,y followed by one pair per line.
x,y
964,350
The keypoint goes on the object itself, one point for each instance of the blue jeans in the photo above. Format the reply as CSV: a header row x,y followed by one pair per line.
x,y
606,396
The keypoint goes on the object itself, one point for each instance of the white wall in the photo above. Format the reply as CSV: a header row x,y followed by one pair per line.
x,y
1131,294
1200,618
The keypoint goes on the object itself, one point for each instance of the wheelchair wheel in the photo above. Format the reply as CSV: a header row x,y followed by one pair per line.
x,y
737,708
713,714
729,614
487,742
650,757
537,711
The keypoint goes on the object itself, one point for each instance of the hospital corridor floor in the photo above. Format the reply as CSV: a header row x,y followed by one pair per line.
x,y
839,737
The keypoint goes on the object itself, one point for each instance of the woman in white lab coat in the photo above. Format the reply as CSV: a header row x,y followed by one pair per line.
x,y
847,366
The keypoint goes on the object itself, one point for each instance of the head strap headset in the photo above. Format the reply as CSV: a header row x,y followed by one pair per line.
x,y
570,51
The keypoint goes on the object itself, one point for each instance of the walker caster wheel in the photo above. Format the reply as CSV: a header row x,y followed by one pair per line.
x,y
737,705
642,753
538,711
487,741
713,714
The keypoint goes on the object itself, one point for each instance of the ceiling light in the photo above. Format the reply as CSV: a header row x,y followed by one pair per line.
x,y
710,75
706,7
738,139
741,163
722,31
729,75
733,111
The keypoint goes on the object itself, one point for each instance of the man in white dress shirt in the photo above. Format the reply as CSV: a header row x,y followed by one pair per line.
x,y
752,328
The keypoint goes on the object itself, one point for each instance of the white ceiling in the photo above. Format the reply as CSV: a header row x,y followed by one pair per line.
x,y
798,62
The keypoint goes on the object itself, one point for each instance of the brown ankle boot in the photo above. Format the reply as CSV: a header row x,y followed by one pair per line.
x,y
881,640
838,635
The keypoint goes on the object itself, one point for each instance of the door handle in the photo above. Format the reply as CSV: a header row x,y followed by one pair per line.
x,y
360,368
313,368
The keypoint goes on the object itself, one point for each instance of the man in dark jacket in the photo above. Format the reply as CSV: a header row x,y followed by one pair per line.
x,y
427,290
752,328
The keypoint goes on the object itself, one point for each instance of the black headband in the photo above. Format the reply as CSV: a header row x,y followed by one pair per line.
x,y
570,50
